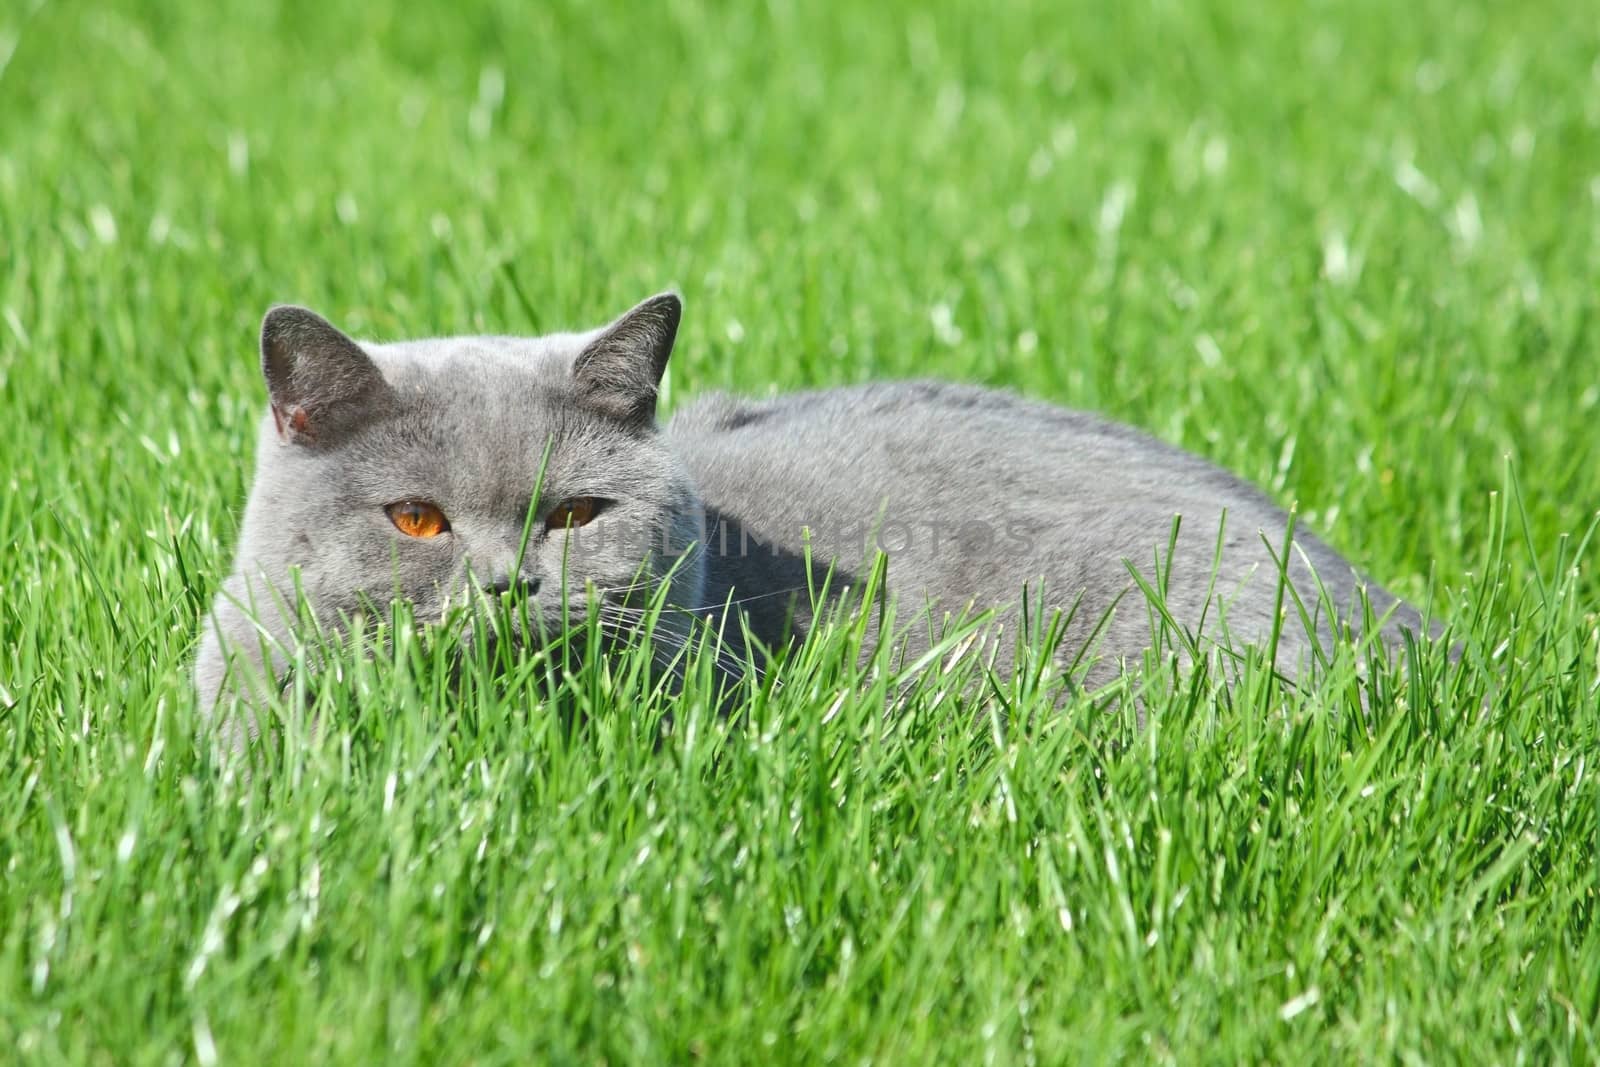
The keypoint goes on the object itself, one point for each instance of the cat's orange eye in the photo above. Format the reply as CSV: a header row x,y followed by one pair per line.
x,y
570,514
418,518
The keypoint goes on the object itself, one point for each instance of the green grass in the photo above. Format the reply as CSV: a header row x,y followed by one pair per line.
x,y
1349,251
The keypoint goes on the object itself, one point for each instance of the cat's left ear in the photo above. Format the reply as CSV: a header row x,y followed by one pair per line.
x,y
319,381
620,370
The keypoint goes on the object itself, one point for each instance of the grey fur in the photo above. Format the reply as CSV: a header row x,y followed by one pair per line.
x,y
975,494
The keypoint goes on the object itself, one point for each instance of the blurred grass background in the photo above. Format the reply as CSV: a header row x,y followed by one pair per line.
x,y
1347,250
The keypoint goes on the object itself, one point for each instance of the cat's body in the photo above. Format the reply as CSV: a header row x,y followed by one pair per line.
x,y
410,469
975,494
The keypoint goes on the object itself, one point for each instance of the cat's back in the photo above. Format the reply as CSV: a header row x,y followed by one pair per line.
x,y
938,442
975,493
868,418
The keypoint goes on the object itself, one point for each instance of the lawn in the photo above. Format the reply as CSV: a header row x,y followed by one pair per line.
x,y
1349,251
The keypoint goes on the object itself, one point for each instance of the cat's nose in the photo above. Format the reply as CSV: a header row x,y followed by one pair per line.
x,y
528,586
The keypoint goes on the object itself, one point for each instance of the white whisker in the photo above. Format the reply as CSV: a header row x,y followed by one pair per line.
x,y
721,655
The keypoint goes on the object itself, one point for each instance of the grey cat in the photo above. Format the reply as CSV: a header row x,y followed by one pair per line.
x,y
410,469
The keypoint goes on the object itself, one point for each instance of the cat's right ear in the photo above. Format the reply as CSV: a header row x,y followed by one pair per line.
x,y
319,381
620,370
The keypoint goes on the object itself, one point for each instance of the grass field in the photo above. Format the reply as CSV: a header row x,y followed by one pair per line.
x,y
1350,251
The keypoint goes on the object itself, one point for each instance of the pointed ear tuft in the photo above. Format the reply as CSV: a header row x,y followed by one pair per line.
x,y
319,381
620,370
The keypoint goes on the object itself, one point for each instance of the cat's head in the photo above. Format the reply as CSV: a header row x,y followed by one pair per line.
x,y
411,469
